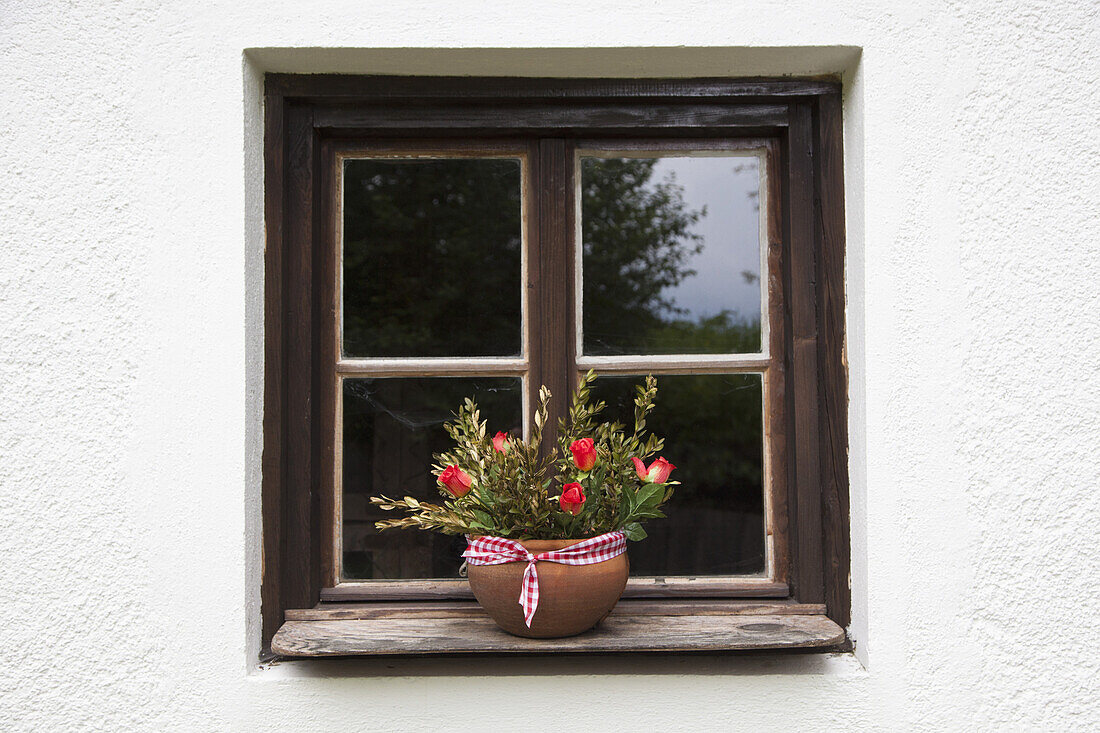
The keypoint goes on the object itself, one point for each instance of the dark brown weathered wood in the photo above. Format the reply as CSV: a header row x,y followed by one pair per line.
x,y
326,351
347,87
535,282
553,322
273,468
417,147
468,609
832,362
547,118
419,636
803,438
775,378
639,145
300,562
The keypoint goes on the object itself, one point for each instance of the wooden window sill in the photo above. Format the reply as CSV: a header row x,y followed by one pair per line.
x,y
369,629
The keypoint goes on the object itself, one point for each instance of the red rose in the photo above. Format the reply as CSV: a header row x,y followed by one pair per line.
x,y
584,453
657,473
455,481
572,498
501,442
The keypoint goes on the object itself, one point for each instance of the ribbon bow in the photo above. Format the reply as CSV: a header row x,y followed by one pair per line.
x,y
499,550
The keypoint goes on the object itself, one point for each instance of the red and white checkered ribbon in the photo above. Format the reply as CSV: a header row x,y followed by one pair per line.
x,y
498,550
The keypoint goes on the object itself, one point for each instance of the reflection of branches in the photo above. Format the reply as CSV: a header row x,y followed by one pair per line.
x,y
432,254
638,240
752,168
725,468
417,238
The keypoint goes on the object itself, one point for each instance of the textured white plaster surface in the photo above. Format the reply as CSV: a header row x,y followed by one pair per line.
x,y
131,347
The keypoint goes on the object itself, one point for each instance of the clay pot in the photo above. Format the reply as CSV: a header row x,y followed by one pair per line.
x,y
572,598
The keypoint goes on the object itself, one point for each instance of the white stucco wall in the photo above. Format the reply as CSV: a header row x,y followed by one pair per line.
x,y
131,348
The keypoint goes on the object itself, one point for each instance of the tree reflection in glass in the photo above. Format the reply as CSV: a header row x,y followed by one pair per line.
x,y
432,252
671,261
391,429
712,425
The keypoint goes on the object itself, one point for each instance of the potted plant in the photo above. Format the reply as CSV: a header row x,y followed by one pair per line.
x,y
547,529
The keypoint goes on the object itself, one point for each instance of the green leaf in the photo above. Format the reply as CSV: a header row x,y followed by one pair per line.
x,y
650,495
481,495
634,532
629,497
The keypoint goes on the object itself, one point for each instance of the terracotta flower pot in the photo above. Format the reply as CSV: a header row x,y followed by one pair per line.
x,y
572,598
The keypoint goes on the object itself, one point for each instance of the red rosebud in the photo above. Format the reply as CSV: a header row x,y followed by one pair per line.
x,y
657,473
572,498
455,481
584,453
501,442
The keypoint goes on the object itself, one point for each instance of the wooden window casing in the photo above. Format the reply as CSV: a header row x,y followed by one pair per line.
x,y
314,122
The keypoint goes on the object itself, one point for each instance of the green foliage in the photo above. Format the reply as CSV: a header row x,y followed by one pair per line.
x,y
638,241
417,236
725,468
515,492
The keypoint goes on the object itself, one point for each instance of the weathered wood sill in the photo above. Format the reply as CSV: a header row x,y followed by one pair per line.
x,y
367,629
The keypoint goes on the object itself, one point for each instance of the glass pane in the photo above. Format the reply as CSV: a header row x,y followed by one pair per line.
x,y
392,427
671,260
432,254
712,430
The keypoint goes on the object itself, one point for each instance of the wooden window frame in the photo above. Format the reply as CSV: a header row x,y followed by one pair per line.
x,y
312,121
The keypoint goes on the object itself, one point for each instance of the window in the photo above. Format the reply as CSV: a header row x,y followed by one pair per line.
x,y
430,239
